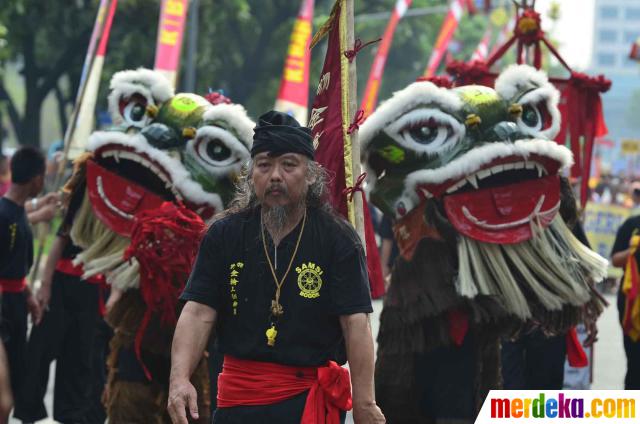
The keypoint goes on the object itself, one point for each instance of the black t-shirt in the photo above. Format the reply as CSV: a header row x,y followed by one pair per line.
x,y
624,234
328,278
16,241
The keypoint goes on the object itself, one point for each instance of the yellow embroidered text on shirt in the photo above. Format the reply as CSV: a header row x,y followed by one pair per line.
x,y
233,282
309,280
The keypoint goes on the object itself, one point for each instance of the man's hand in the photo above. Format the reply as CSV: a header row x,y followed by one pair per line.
x,y
592,333
34,309
114,296
367,413
182,394
43,296
47,212
51,199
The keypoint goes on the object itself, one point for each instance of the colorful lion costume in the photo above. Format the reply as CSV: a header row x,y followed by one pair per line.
x,y
474,182
148,187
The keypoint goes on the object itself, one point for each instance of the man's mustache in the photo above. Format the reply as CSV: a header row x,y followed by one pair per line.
x,y
276,187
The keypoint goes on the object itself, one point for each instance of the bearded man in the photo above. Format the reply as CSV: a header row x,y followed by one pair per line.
x,y
283,280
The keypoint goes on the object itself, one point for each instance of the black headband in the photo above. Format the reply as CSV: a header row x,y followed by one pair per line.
x,y
278,133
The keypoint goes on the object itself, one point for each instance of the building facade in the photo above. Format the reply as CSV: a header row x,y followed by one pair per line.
x,y
616,27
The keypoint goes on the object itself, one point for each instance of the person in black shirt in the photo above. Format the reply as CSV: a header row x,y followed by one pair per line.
x,y
284,281
16,258
619,256
69,334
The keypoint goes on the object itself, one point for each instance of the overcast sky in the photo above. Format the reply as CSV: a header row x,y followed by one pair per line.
x,y
574,30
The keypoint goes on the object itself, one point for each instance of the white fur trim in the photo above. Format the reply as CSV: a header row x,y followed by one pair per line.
x,y
422,93
152,85
518,78
472,161
236,116
181,178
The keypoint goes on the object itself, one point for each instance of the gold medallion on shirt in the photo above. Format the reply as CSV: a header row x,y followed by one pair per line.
x,y
309,280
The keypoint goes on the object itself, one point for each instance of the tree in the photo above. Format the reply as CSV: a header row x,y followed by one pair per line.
x,y
47,40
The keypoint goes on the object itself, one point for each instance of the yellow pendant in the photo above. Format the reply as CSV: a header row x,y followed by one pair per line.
x,y
271,335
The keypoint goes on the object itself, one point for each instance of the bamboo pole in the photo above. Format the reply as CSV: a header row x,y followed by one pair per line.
x,y
353,99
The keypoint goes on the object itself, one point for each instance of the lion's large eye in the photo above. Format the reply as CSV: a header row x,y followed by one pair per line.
x,y
213,151
134,111
426,131
539,114
531,118
217,149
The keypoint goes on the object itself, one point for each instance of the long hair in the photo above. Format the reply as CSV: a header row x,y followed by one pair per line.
x,y
245,198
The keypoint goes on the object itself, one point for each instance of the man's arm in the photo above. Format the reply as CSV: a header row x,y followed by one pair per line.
x,y
619,259
356,330
189,341
42,209
55,253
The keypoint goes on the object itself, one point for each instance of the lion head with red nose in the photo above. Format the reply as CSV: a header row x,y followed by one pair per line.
x,y
181,149
479,165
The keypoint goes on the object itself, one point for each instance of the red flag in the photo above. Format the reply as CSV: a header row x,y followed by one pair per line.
x,y
331,127
173,14
370,97
449,26
293,96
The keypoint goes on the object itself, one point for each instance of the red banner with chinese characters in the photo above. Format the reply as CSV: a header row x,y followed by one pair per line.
x,y
293,96
331,127
370,98
173,15
449,26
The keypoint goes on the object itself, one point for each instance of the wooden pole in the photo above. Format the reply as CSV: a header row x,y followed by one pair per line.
x,y
353,104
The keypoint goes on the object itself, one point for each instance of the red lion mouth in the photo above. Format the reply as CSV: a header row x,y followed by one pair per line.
x,y
502,200
122,182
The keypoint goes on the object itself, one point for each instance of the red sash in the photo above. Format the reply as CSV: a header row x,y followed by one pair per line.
x,y
13,285
245,383
66,266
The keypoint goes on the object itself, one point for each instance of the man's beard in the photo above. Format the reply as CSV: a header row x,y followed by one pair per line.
x,y
276,217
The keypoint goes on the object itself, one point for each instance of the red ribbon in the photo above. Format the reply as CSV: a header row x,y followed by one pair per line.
x,y
357,46
350,191
357,120
575,353
165,243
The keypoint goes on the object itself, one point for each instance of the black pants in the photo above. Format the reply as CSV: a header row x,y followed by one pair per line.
x,y
287,412
632,351
534,362
67,334
445,381
13,330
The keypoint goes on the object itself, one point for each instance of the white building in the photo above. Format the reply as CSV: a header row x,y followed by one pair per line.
x,y
616,27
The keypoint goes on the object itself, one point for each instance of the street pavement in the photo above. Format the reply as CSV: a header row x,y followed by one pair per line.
x,y
609,359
